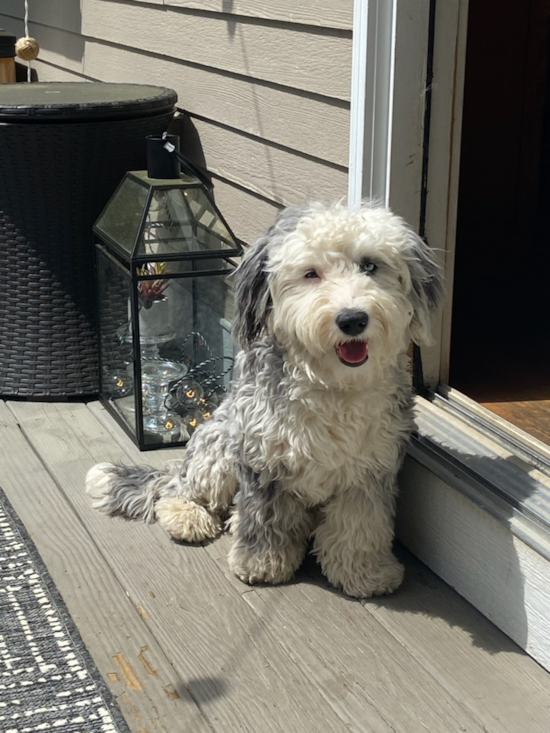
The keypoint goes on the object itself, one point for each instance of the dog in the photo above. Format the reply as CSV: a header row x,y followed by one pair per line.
x,y
307,445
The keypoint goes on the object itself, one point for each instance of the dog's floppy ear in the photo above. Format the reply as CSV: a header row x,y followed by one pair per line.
x,y
252,287
252,293
426,287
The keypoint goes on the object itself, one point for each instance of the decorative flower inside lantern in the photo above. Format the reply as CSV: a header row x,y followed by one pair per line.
x,y
152,290
156,315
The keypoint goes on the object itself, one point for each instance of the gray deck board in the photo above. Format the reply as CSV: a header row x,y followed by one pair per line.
x,y
212,654
352,659
134,666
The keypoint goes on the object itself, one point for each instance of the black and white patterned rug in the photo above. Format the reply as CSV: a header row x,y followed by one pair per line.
x,y
48,681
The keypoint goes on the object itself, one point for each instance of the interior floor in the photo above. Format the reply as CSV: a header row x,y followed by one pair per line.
x,y
518,389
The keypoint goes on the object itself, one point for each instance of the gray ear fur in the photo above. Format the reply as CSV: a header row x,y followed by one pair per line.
x,y
426,290
252,293
252,287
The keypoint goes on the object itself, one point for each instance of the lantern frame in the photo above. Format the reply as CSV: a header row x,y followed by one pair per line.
x,y
126,262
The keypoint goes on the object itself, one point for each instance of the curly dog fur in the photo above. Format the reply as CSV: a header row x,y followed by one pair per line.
x,y
309,441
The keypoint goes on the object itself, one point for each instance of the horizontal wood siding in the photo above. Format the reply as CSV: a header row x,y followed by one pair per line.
x,y
264,86
324,13
247,214
277,173
276,114
312,60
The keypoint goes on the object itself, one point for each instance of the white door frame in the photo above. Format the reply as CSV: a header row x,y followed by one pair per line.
x,y
372,81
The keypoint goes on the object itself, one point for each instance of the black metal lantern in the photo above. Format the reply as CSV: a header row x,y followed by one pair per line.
x,y
164,260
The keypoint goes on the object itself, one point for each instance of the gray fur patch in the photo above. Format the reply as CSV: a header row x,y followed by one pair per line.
x,y
251,279
427,284
269,517
252,293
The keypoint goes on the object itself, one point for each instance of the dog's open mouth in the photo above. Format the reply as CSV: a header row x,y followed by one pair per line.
x,y
353,353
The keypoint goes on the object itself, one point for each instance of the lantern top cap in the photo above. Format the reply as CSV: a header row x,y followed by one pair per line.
x,y
147,218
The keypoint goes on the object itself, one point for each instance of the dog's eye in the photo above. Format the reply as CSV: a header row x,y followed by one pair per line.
x,y
368,266
310,274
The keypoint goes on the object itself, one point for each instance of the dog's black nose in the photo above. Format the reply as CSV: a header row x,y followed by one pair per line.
x,y
352,322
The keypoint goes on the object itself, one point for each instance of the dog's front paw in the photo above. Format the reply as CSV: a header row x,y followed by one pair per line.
x,y
272,567
185,520
371,577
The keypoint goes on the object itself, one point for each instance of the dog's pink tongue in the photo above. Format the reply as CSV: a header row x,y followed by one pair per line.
x,y
353,351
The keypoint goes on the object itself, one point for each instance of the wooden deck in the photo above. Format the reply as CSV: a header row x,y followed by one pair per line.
x,y
186,648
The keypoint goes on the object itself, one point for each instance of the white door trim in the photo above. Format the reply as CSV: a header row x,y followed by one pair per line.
x,y
372,82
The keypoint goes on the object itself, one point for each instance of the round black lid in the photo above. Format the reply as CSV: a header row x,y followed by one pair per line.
x,y
7,44
80,101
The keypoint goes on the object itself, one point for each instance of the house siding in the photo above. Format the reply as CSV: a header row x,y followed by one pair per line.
x,y
264,86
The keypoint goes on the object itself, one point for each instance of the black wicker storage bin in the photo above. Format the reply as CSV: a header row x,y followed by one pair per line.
x,y
64,147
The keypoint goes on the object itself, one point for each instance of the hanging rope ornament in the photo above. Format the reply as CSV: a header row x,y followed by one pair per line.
x,y
27,48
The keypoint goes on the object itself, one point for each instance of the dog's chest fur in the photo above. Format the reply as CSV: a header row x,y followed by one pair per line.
x,y
335,440
317,440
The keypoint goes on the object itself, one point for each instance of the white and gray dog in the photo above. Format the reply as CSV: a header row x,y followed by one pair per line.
x,y
309,440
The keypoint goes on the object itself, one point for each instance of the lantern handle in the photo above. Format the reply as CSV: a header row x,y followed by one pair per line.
x,y
193,170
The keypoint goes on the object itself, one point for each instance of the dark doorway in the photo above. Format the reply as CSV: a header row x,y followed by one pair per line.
x,y
500,343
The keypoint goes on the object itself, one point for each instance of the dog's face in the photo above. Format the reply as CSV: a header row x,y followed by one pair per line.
x,y
342,291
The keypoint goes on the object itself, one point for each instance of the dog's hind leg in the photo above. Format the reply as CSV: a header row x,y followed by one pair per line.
x,y
270,529
207,485
188,500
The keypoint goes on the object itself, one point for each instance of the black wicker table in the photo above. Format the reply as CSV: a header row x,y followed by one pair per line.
x,y
64,147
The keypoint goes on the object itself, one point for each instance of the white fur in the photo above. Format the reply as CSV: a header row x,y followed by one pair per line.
x,y
185,520
98,484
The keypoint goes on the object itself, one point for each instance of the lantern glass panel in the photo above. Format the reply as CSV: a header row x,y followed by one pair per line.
x,y
120,221
186,350
166,350
116,353
208,221
182,219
